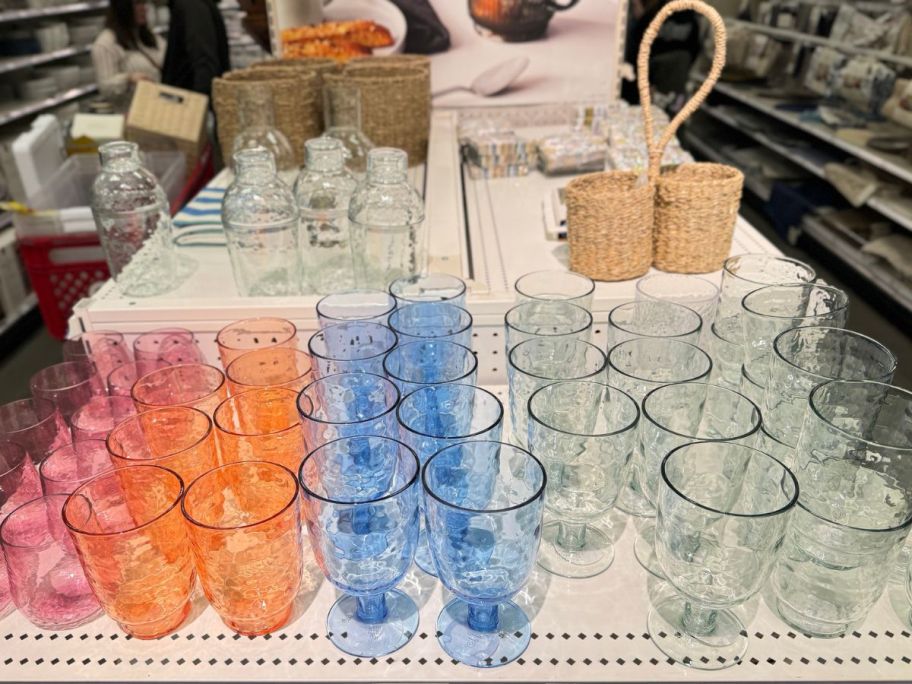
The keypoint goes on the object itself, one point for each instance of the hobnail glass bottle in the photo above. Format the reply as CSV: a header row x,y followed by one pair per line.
x,y
342,119
386,215
261,227
323,192
134,224
257,128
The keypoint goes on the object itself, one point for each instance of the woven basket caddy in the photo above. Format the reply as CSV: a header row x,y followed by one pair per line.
x,y
395,105
296,97
318,65
422,61
609,225
696,205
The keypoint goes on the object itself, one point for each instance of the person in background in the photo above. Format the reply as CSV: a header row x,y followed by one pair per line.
x,y
197,46
126,51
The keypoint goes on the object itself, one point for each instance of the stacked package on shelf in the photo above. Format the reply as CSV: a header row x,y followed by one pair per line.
x,y
627,142
496,152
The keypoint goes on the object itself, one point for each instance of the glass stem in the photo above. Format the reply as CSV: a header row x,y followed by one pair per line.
x,y
483,617
372,609
697,620
571,536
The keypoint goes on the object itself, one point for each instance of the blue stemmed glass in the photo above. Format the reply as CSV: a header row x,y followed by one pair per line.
x,y
351,347
431,362
435,417
432,320
374,306
429,287
348,405
361,507
484,504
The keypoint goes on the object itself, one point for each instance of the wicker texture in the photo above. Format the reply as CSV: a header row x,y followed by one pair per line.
x,y
421,61
609,225
297,102
395,105
696,205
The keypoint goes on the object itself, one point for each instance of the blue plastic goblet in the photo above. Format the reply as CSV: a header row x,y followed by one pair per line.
x,y
435,417
361,506
348,405
351,347
484,504
431,362
432,320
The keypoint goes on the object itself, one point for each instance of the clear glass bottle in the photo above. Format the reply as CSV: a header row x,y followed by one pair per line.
x,y
386,215
323,192
342,120
257,128
133,221
261,227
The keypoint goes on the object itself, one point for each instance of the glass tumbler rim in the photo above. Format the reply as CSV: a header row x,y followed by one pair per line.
x,y
632,424
576,341
484,511
344,323
226,528
653,302
589,289
283,321
813,397
30,502
41,416
228,400
691,277
339,502
471,355
160,409
792,286
72,445
292,351
135,528
793,499
390,298
466,319
850,333
84,367
21,456
726,265
148,334
348,422
458,282
171,369
662,340
468,437
509,324
710,387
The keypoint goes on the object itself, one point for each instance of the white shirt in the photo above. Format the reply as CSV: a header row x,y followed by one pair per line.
x,y
113,64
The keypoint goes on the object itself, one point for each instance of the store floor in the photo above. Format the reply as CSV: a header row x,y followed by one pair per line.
x,y
40,349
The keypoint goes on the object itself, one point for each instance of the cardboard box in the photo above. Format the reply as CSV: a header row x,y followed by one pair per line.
x,y
166,118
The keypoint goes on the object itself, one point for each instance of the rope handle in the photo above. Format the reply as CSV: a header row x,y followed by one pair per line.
x,y
657,149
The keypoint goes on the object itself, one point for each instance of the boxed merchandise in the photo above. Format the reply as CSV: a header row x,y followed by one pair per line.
x,y
166,118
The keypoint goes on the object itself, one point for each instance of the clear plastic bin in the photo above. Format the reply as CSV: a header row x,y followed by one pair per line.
x,y
65,199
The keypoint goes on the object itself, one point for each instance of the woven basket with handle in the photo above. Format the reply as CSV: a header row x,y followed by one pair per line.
x,y
696,204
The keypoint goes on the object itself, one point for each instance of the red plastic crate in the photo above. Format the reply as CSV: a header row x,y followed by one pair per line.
x,y
63,268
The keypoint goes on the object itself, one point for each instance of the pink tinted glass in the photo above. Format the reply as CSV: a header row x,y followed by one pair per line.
x,y
18,485
121,380
99,416
36,424
105,349
69,385
171,345
72,465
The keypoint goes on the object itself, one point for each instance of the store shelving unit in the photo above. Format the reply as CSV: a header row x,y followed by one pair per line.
x,y
9,64
20,110
7,16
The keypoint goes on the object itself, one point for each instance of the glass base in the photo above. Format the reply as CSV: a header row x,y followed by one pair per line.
x,y
483,649
723,647
158,628
821,629
423,558
260,624
634,503
593,558
372,640
644,550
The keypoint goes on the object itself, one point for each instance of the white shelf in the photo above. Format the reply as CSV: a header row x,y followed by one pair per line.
x,y
799,37
28,304
13,63
891,163
896,209
20,110
864,264
54,11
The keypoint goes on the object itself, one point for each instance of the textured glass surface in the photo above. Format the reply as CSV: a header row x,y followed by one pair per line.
x,y
540,361
244,523
18,485
99,415
196,385
557,284
361,505
351,347
69,385
36,424
429,287
723,342
342,118
270,367
542,318
653,318
854,465
257,129
172,346
744,273
355,305
584,434
723,509
348,405
104,349
131,213
431,362
248,334
692,291
432,320
73,465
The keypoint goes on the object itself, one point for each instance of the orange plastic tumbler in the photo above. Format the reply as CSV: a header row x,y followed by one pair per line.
x,y
192,384
273,367
254,333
